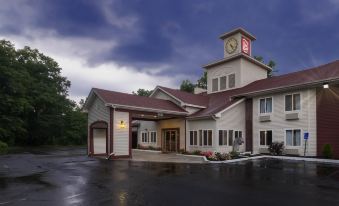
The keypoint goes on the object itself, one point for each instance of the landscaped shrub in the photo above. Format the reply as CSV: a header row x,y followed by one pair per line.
x,y
234,154
222,156
196,152
276,148
327,151
207,154
3,148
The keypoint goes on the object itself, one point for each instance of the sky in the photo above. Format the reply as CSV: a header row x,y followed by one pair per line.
x,y
124,45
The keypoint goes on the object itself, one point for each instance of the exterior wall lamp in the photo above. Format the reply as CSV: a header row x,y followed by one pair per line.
x,y
325,86
122,124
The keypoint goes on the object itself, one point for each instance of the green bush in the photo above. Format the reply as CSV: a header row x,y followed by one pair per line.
x,y
276,148
3,148
327,151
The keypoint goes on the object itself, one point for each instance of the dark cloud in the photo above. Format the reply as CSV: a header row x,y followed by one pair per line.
x,y
184,34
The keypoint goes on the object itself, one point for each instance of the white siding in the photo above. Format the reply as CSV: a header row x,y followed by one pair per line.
x,y
161,95
147,126
278,124
97,112
251,72
232,67
232,119
197,125
121,135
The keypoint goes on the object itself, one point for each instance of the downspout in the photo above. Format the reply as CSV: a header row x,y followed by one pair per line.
x,y
111,131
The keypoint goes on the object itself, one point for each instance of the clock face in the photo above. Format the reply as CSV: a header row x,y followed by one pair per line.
x,y
231,45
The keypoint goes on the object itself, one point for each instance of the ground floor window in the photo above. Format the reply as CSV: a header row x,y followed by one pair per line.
x,y
293,137
207,137
144,137
222,137
230,137
153,135
266,137
193,138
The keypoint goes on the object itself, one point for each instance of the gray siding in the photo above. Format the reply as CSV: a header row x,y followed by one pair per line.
x,y
98,112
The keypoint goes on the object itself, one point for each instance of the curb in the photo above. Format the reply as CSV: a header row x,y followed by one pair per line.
x,y
145,150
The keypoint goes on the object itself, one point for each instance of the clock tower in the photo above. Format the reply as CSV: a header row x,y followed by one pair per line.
x,y
237,41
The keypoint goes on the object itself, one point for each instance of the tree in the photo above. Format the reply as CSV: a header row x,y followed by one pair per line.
x,y
202,82
34,100
187,86
143,92
270,63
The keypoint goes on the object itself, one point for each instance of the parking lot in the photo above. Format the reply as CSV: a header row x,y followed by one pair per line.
x,y
69,177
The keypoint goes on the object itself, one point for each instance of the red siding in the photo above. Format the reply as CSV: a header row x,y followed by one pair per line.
x,y
328,119
249,124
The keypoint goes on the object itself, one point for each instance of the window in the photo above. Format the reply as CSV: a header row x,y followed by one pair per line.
x,y
266,105
200,137
266,138
222,137
153,137
223,82
230,137
292,102
293,137
207,137
193,138
214,84
231,80
144,137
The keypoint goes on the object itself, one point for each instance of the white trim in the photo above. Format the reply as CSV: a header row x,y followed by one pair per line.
x,y
182,103
143,109
285,138
264,130
189,138
301,99
259,106
218,115
150,137
289,87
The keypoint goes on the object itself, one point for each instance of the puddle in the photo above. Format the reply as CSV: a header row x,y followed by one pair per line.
x,y
36,178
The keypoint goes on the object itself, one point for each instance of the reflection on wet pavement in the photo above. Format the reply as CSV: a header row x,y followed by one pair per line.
x,y
72,178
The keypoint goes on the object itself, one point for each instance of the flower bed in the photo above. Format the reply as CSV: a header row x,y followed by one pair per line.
x,y
215,156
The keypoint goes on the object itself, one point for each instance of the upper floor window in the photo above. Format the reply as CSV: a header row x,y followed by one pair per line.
x,y
266,105
265,138
292,102
293,137
231,80
215,85
223,82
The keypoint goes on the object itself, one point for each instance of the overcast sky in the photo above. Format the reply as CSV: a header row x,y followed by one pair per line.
x,y
126,45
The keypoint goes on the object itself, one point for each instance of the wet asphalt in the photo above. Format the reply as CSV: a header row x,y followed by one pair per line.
x,y
69,177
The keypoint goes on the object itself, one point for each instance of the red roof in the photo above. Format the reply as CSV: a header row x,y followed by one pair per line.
x,y
216,102
186,97
125,99
317,75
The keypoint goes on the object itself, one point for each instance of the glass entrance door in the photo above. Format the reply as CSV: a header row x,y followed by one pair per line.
x,y
170,140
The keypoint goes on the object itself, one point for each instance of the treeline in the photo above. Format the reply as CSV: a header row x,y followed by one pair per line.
x,y
34,104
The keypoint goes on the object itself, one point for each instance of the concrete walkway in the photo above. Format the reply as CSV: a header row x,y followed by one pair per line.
x,y
157,156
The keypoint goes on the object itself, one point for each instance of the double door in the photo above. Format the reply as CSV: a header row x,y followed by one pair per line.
x,y
171,141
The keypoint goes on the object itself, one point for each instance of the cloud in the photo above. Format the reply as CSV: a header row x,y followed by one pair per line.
x,y
71,54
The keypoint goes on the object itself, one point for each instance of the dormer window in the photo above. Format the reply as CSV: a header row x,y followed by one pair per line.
x,y
231,81
215,83
223,82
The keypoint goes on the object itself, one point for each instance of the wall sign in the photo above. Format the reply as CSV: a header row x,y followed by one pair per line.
x,y
245,46
306,135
